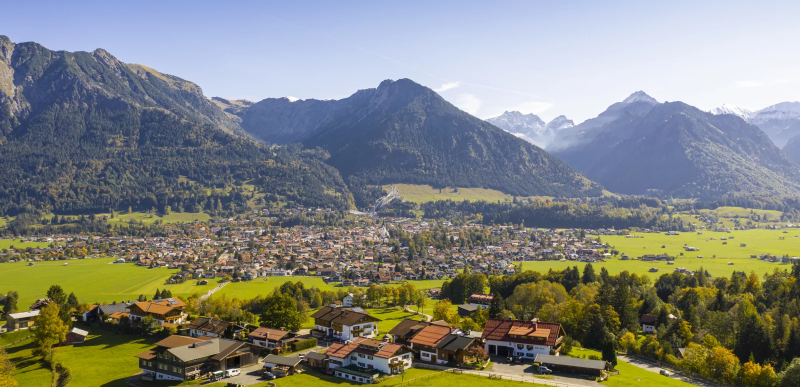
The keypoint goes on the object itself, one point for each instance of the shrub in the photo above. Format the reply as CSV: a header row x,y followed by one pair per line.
x,y
304,344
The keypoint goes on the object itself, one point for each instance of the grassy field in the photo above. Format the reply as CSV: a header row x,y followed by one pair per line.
x,y
174,217
250,289
30,371
6,243
425,193
92,280
632,376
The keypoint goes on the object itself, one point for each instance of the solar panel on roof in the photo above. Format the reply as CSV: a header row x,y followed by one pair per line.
x,y
202,343
158,300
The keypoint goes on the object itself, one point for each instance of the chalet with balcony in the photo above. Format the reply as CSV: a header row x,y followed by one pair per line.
x,y
168,310
364,360
343,323
188,358
270,337
522,338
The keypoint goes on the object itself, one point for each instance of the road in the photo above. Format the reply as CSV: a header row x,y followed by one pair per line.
x,y
652,367
425,317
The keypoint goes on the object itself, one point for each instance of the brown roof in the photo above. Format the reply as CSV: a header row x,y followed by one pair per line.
x,y
342,350
478,298
431,335
648,319
341,316
209,324
147,355
366,346
177,341
268,333
528,332
405,327
161,306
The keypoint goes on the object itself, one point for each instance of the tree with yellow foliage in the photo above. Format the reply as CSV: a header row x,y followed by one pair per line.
x,y
6,371
755,375
723,365
628,342
49,330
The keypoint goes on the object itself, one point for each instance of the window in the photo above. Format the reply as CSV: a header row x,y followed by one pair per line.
x,y
352,358
519,346
530,347
361,355
362,365
369,357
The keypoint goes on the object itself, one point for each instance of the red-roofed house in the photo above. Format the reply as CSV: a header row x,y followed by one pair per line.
x,y
363,360
522,338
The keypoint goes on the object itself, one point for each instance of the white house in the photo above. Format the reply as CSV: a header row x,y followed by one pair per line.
x,y
343,323
522,338
373,357
648,322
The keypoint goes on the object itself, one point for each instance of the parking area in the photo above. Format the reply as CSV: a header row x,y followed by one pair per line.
x,y
527,369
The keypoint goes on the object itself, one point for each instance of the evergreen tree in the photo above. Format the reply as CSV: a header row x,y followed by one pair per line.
x,y
588,274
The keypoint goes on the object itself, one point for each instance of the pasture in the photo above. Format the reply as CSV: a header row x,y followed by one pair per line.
x,y
425,193
174,217
7,243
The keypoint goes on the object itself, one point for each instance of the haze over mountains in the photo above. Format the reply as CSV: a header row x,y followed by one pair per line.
x,y
85,132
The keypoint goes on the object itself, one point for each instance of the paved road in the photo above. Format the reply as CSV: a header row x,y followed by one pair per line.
x,y
501,366
645,365
212,291
425,317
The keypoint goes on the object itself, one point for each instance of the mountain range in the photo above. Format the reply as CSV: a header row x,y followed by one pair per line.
x,y
640,146
403,132
530,127
82,131
780,122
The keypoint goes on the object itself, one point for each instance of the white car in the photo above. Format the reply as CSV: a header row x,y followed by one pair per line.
x,y
232,372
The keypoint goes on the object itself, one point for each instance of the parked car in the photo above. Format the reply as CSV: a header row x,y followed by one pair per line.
x,y
544,370
268,375
232,372
217,376
665,373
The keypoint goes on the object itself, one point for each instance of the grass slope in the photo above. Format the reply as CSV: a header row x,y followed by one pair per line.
x,y
425,193
630,375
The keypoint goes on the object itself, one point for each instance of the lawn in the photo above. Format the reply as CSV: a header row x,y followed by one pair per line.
x,y
30,371
630,375
7,243
425,193
10,337
390,317
92,280
145,218
250,289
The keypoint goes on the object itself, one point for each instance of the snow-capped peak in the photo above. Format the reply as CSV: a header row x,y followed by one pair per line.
x,y
732,109
640,96
292,99
559,123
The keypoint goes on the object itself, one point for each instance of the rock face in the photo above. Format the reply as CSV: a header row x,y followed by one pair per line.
x,y
676,150
402,132
82,131
530,127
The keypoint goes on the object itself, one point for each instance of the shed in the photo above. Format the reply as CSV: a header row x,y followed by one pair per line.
x,y
316,359
571,365
75,336
282,365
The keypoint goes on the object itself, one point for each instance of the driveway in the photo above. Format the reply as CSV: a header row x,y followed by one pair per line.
x,y
653,367
501,366
249,375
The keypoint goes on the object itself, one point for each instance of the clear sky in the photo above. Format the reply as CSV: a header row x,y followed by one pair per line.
x,y
560,57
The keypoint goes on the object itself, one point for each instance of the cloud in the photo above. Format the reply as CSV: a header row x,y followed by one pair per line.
x,y
529,107
468,103
448,86
748,84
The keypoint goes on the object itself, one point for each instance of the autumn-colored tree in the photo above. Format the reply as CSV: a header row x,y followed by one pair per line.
x,y
755,375
723,365
6,371
443,311
628,342
49,330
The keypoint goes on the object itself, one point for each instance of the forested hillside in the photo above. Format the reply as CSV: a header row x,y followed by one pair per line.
x,y
84,132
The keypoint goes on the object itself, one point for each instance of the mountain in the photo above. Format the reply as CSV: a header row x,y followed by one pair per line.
x,y
636,105
402,132
530,127
82,131
676,150
792,149
733,110
780,121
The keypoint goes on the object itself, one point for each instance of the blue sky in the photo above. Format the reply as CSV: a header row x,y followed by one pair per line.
x,y
572,58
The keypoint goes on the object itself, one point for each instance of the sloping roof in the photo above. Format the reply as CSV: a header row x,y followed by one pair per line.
x,y
177,341
291,361
528,332
113,308
453,343
468,307
79,331
570,362
20,315
340,315
481,298
268,333
403,328
648,319
431,335
316,355
342,350
209,324
147,355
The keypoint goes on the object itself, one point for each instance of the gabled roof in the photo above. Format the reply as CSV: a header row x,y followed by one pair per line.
x,y
648,319
453,343
268,333
177,341
527,332
406,327
431,335
209,324
341,315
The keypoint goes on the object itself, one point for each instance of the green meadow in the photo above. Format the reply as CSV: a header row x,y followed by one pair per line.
x,y
7,243
174,217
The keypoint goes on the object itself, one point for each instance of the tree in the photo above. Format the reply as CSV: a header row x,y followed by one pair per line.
x,y
57,295
443,311
754,375
723,365
496,306
588,274
6,371
628,342
10,302
149,323
157,296
420,300
281,312
467,324
49,330
790,377
72,301
609,354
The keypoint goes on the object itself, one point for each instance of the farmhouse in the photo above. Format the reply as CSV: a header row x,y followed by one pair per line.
x,y
208,327
403,332
188,358
343,323
169,310
364,360
648,322
270,337
522,338
480,300
427,340
23,320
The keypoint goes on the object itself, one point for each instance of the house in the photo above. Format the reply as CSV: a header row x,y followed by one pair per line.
x,y
457,349
648,322
343,323
75,336
22,320
467,309
108,310
426,340
188,358
364,360
168,310
208,327
316,359
522,338
481,300
404,331
282,365
270,337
